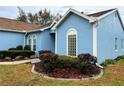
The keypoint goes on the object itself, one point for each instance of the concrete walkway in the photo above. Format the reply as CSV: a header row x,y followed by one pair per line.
x,y
20,62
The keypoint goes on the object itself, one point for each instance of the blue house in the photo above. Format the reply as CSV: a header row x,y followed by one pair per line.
x,y
100,34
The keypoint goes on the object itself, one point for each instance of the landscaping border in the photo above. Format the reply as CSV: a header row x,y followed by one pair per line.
x,y
47,77
19,62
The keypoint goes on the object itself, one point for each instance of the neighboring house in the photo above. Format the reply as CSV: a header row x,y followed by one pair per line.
x,y
100,34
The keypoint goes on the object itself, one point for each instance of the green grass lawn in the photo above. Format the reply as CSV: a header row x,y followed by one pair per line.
x,y
21,75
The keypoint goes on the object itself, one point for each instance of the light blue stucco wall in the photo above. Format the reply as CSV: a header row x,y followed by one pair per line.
x,y
10,39
45,40
108,29
84,35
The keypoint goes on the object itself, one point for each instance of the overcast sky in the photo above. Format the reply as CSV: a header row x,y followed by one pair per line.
x,y
12,11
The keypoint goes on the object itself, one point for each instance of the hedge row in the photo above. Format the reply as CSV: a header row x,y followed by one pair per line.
x,y
15,53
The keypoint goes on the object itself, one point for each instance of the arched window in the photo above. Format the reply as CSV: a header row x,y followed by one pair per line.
x,y
72,42
34,42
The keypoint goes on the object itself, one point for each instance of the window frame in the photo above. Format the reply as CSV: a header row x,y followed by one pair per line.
x,y
71,31
32,37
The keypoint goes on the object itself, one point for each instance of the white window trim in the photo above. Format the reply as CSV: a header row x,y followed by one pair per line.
x,y
28,39
67,41
95,39
31,37
34,35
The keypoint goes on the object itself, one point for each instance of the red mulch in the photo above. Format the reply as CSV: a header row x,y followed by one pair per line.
x,y
4,60
66,73
70,73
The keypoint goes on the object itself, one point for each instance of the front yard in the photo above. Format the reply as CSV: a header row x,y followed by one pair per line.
x,y
21,75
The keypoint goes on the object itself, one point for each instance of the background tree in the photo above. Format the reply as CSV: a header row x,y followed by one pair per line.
x,y
22,15
43,16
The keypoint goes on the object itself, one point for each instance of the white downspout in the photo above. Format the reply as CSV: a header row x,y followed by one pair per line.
x,y
55,41
95,39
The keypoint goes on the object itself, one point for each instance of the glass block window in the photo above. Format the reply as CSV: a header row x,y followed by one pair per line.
x,y
72,42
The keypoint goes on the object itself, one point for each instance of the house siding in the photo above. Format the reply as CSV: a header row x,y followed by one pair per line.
x,y
108,29
45,41
84,35
10,39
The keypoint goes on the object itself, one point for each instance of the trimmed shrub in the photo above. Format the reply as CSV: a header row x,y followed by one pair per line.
x,y
48,61
12,49
44,51
15,53
108,62
87,58
27,47
119,57
89,69
19,47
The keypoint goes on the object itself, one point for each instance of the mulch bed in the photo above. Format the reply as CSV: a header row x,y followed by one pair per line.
x,y
4,60
70,73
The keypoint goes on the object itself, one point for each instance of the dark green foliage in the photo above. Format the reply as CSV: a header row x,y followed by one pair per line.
x,y
19,47
89,69
87,58
51,61
27,47
44,51
119,57
48,60
22,15
15,53
12,49
108,62
43,16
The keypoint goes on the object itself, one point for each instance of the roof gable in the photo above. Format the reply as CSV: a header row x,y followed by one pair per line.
x,y
90,19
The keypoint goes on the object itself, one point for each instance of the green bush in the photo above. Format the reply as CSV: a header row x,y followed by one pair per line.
x,y
108,62
15,53
87,58
27,47
67,59
48,61
12,49
19,47
119,57
89,69
44,51
51,61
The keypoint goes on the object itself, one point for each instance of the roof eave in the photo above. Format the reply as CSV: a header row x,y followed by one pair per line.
x,y
103,16
11,30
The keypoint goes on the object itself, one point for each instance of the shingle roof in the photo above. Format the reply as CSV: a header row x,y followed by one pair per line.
x,y
13,24
98,14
